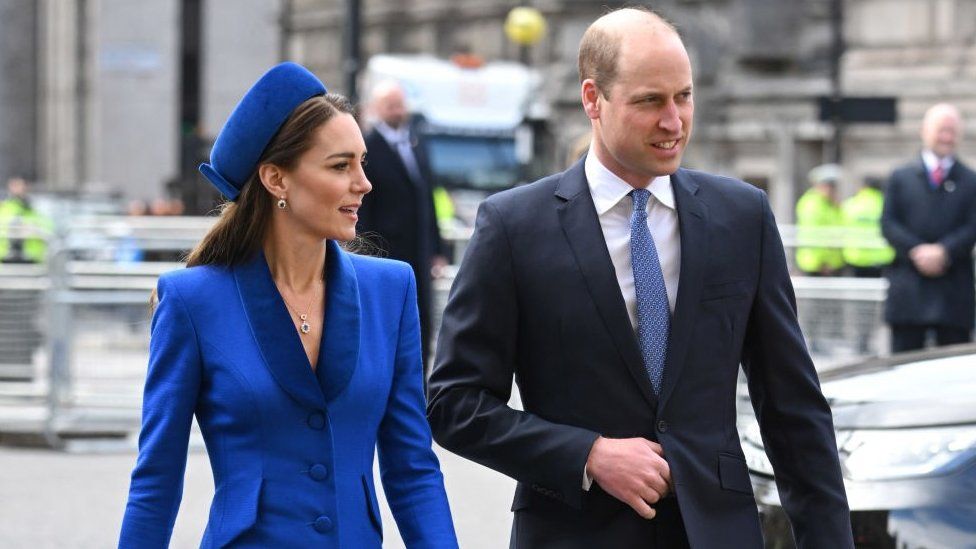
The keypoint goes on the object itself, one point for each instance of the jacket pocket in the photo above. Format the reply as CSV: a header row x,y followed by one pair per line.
x,y
237,502
372,507
723,290
733,473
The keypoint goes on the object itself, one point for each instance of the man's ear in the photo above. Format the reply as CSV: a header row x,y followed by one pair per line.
x,y
591,98
273,179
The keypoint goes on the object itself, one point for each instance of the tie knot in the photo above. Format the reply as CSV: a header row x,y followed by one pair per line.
x,y
641,196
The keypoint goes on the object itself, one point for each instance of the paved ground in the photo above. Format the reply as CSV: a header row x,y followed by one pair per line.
x,y
68,500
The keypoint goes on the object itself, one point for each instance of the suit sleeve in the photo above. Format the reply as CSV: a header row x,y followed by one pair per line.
x,y
795,420
471,383
169,400
960,241
409,469
893,226
436,242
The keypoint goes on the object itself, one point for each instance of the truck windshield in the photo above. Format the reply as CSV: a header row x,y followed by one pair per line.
x,y
473,162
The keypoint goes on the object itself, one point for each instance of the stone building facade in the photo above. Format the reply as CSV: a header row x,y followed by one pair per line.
x,y
94,93
106,96
760,67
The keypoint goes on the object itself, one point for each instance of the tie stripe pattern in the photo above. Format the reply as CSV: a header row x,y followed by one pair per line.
x,y
653,311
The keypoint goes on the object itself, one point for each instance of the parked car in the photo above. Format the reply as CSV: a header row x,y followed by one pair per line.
x,y
906,433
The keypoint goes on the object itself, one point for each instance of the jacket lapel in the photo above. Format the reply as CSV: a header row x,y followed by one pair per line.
x,y
923,175
339,353
275,333
692,216
579,221
394,158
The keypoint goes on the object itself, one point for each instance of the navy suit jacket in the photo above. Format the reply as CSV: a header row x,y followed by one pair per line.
x,y
399,209
537,297
292,458
915,212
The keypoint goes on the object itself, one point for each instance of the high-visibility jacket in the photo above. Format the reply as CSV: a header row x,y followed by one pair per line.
x,y
863,244
17,216
443,205
816,219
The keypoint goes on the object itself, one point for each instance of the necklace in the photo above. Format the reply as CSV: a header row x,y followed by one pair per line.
x,y
305,326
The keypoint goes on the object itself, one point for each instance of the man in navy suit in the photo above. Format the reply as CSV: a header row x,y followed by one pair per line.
x,y
930,220
399,214
624,327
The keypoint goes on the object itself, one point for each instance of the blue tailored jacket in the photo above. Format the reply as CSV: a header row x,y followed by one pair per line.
x,y
291,449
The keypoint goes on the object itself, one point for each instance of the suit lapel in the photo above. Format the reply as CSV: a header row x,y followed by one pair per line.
x,y
339,352
692,216
955,173
580,223
924,178
395,158
275,333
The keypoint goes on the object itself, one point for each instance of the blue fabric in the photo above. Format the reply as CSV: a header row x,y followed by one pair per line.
x,y
255,120
291,449
653,311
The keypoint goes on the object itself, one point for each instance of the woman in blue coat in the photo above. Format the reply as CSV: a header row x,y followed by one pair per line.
x,y
298,359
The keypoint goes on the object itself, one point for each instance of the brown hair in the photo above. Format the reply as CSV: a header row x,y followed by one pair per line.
x,y
600,48
241,226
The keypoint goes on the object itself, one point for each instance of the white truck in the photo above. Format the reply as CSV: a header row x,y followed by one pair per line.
x,y
485,126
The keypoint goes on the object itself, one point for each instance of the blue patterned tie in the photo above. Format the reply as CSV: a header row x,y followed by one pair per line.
x,y
653,311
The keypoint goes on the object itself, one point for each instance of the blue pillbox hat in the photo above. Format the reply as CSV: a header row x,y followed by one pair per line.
x,y
255,120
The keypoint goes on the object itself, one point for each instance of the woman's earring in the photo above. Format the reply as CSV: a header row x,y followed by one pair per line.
x,y
282,204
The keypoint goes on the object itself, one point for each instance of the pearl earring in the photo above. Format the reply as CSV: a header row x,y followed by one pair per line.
x,y
282,204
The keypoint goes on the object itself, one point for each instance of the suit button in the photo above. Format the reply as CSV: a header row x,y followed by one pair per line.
x,y
316,420
662,426
322,524
319,472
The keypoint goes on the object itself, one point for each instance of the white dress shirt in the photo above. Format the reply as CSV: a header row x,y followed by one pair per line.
x,y
614,207
930,161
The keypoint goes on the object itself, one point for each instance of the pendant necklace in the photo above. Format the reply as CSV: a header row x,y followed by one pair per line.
x,y
305,327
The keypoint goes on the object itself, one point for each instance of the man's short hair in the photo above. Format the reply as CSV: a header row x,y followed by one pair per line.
x,y
600,48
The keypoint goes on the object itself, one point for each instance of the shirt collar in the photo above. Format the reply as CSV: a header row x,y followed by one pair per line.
x,y
393,136
608,189
930,160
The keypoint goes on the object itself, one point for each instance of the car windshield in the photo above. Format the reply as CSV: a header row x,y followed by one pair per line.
x,y
473,162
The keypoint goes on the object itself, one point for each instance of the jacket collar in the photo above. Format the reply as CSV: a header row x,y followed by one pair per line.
x,y
339,353
692,225
279,342
578,217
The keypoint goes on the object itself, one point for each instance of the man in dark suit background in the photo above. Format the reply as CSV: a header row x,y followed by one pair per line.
x,y
930,219
622,295
398,216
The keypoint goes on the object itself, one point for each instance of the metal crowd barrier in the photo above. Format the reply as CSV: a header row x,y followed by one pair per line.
x,y
74,332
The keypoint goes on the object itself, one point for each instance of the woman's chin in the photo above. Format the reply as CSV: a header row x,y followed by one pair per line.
x,y
343,236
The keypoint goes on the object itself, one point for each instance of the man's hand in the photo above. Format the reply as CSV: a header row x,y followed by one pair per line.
x,y
438,264
632,470
930,259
